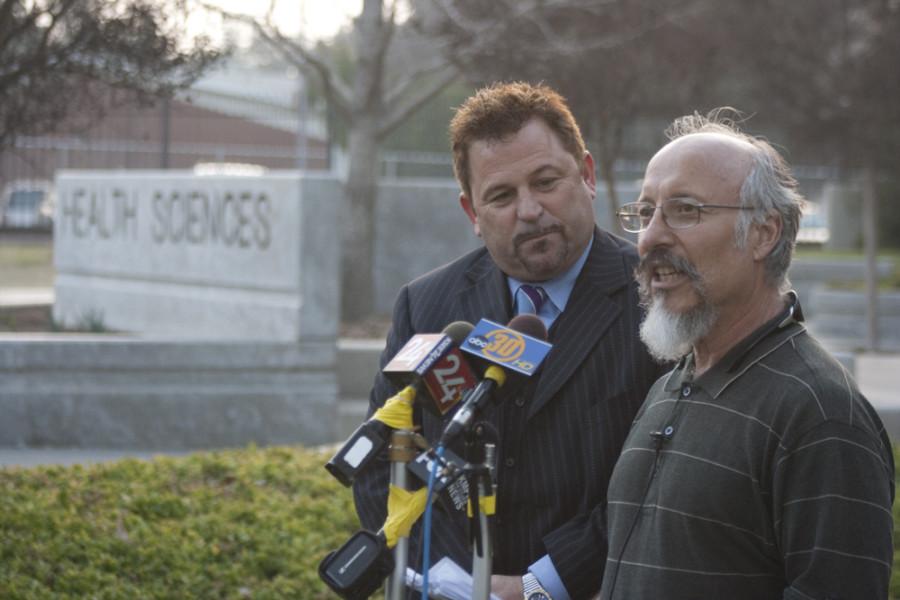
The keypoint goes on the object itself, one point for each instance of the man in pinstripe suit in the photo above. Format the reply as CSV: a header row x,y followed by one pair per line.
x,y
527,187
755,469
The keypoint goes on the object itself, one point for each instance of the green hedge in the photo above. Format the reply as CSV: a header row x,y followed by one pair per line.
x,y
250,523
238,524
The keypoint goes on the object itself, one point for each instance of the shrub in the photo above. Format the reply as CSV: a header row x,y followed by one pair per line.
x,y
250,523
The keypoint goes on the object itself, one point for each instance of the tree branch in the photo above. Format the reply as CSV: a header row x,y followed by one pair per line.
x,y
408,99
304,59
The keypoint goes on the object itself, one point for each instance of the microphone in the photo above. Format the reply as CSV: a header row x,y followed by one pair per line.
x,y
357,569
519,348
433,361
661,437
412,366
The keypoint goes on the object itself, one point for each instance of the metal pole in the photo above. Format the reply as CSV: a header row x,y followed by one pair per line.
x,y
302,151
870,242
166,133
402,450
482,565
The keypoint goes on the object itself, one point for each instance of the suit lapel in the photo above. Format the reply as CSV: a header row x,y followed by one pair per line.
x,y
488,294
588,315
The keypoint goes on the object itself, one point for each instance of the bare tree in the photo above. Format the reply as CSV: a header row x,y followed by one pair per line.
x,y
828,69
614,60
58,58
374,102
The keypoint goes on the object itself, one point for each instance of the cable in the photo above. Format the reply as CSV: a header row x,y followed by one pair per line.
x,y
426,543
637,515
659,439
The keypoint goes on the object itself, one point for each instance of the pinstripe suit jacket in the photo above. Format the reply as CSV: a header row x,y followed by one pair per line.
x,y
559,436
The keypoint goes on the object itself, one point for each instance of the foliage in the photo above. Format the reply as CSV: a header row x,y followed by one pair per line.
x,y
60,59
428,131
830,81
614,62
251,523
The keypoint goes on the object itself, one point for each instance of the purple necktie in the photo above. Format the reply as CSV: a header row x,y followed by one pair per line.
x,y
533,295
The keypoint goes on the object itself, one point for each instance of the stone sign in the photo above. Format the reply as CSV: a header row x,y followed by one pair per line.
x,y
175,255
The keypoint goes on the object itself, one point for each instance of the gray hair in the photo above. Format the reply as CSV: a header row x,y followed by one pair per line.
x,y
770,188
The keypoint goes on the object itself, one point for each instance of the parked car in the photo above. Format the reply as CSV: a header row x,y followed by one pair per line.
x,y
27,204
814,227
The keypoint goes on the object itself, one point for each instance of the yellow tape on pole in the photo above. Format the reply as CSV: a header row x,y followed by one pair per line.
x,y
398,410
404,507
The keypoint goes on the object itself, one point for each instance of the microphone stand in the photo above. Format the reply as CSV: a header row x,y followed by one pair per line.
x,y
401,451
481,462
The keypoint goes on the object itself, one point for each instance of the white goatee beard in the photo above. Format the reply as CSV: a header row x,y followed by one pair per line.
x,y
669,336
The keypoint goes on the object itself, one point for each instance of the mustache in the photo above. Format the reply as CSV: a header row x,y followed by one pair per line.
x,y
521,238
660,257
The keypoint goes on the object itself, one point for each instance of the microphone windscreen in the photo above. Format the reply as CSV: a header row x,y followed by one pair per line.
x,y
458,331
529,325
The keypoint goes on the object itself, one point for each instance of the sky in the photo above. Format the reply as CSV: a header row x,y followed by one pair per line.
x,y
319,18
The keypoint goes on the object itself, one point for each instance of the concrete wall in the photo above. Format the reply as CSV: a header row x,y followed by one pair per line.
x,y
807,276
840,318
844,204
173,255
117,392
228,288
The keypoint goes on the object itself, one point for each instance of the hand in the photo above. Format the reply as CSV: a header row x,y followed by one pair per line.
x,y
507,587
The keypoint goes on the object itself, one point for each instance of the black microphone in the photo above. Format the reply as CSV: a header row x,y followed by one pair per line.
x,y
663,436
503,344
413,364
358,568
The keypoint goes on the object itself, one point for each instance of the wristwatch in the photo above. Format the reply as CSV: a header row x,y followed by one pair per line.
x,y
532,588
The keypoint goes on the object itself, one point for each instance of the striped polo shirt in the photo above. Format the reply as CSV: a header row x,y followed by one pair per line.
x,y
768,476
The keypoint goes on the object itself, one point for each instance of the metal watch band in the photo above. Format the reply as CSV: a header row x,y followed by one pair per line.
x,y
530,585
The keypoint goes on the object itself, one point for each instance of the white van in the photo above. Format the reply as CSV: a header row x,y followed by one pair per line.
x,y
27,204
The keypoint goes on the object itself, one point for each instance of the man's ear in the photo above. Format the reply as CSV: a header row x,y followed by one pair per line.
x,y
588,174
469,209
764,236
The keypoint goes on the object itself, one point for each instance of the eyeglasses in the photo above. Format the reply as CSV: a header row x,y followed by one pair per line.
x,y
677,213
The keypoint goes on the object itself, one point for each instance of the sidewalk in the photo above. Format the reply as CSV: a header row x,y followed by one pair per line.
x,y
10,297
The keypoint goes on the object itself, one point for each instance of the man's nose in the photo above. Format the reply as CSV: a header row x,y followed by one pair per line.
x,y
657,234
528,207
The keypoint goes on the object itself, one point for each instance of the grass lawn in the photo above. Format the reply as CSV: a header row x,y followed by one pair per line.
x,y
807,251
25,263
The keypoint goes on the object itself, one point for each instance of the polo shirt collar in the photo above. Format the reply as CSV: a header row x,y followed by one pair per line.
x,y
745,353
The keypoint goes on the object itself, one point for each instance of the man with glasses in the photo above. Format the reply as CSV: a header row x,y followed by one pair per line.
x,y
755,469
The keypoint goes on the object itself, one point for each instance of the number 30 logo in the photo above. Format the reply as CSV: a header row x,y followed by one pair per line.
x,y
504,345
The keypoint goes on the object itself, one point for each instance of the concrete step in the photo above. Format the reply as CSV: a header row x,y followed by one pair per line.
x,y
357,364
351,412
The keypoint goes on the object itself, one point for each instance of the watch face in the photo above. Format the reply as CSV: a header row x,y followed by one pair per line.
x,y
538,596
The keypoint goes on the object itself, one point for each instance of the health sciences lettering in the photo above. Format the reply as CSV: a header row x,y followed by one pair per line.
x,y
99,213
240,219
